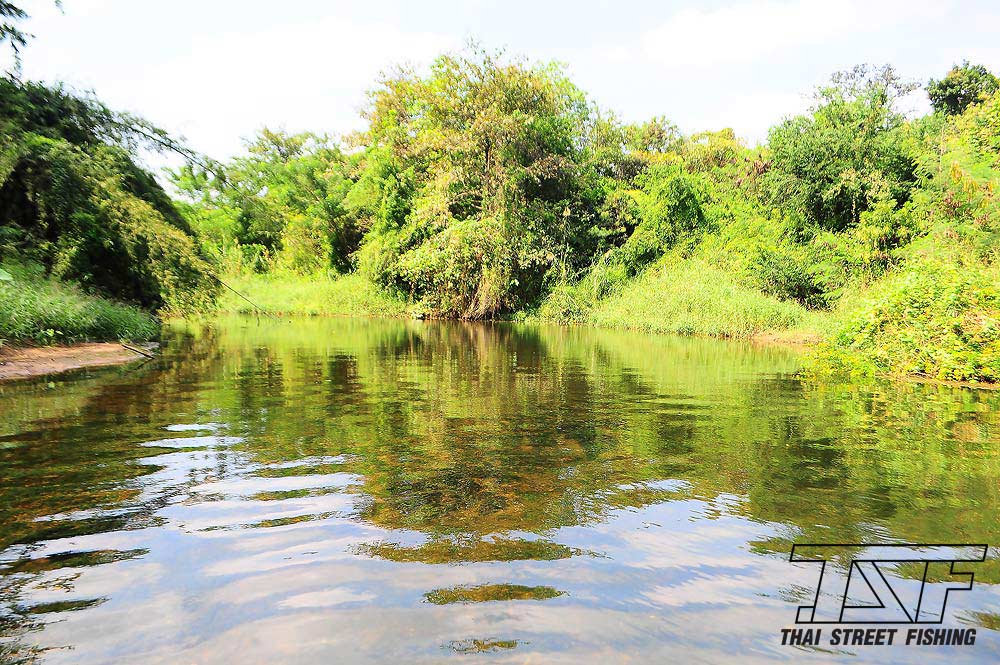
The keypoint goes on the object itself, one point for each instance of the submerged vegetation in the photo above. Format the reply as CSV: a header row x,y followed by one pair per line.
x,y
489,187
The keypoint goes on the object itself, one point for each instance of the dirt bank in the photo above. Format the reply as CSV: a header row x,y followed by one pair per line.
x,y
797,338
28,361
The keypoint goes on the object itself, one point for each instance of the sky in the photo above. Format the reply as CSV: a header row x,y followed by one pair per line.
x,y
216,71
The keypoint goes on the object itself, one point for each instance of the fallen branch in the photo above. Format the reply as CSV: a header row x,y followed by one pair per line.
x,y
139,351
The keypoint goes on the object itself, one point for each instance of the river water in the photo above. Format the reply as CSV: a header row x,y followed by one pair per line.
x,y
349,490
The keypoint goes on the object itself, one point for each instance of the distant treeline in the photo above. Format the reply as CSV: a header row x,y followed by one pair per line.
x,y
492,187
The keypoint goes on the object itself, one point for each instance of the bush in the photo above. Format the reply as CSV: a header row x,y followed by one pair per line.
x,y
937,320
938,314
667,207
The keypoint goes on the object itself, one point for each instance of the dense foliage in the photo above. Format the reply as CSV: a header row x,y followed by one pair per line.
x,y
964,85
492,187
470,189
280,206
938,314
73,198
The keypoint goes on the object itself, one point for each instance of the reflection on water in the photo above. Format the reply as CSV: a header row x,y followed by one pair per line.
x,y
354,491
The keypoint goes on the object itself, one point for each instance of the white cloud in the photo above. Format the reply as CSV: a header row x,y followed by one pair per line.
x,y
745,32
751,114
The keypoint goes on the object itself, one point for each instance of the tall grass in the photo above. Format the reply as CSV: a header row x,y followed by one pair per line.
x,y
322,293
44,311
691,297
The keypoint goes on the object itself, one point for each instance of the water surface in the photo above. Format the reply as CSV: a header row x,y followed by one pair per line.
x,y
345,490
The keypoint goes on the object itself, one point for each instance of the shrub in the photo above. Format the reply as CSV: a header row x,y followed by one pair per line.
x,y
932,319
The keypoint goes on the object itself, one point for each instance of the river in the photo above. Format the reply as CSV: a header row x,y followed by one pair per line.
x,y
347,490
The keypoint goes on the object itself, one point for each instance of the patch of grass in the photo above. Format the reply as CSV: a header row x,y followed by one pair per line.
x,y
692,297
39,310
322,293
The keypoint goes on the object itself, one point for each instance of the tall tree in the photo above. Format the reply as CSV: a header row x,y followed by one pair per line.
x,y
965,84
836,162
478,180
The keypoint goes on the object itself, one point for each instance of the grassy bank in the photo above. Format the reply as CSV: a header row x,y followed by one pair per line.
x,y
688,297
318,294
38,310
933,319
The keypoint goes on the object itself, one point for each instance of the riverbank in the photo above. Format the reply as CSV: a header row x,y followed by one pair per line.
x,y
681,301
33,361
906,325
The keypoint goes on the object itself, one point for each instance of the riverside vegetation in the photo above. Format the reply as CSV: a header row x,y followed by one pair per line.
x,y
489,187
493,188
84,228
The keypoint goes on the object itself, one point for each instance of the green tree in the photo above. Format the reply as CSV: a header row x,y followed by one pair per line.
x,y
836,163
73,197
965,84
479,181
283,201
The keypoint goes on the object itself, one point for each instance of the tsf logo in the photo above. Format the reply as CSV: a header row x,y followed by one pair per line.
x,y
905,583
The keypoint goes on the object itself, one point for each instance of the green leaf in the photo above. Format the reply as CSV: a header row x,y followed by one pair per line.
x,y
5,276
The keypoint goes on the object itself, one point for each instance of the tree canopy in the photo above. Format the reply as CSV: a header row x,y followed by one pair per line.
x,y
965,84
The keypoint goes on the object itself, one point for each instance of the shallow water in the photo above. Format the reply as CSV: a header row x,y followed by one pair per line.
x,y
345,490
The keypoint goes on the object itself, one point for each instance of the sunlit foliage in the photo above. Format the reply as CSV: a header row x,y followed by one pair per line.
x,y
491,187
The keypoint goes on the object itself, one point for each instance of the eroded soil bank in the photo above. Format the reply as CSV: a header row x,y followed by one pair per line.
x,y
29,361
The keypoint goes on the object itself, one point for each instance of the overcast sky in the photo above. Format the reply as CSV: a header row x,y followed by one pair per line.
x,y
215,71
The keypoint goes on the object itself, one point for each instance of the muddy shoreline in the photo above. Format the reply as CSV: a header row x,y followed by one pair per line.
x,y
25,362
